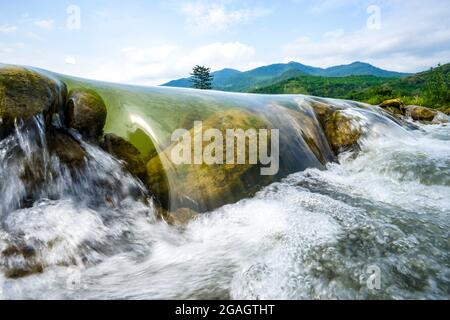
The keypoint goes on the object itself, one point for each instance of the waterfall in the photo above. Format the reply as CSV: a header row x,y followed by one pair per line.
x,y
76,224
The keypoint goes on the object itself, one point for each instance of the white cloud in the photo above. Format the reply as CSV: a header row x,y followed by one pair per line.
x,y
7,28
334,33
44,24
148,55
321,6
404,43
70,60
154,66
209,16
220,55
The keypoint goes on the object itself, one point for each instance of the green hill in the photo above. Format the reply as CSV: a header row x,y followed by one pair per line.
x,y
237,81
431,88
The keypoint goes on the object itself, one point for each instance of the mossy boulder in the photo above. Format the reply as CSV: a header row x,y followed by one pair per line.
x,y
125,151
395,106
204,187
323,111
25,93
342,132
419,113
86,112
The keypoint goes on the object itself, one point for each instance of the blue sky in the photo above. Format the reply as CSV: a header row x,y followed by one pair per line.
x,y
150,42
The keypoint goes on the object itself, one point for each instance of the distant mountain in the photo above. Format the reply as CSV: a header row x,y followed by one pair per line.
x,y
413,89
219,77
360,69
234,80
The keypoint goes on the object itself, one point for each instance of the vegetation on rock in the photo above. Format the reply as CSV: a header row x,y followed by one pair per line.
x,y
206,187
341,131
419,113
86,112
24,94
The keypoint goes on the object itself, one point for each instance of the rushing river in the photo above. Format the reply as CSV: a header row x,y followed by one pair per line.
x,y
313,235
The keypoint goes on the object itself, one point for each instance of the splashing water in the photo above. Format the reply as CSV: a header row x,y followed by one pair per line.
x,y
312,235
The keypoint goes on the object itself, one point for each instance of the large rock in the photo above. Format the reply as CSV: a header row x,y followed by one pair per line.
x,y
36,172
125,151
419,113
395,106
323,111
206,187
25,93
342,131
86,112
67,150
20,260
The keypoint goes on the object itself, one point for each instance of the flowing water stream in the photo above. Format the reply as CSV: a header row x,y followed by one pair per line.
x,y
312,235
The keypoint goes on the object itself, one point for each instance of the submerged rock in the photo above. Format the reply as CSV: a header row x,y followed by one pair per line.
x,y
179,217
19,260
86,112
37,171
419,113
341,131
204,187
323,111
25,93
125,151
67,150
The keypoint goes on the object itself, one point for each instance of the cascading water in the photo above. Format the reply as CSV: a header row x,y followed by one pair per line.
x,y
310,236
91,231
66,221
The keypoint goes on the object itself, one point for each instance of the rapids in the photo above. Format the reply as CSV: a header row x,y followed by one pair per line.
x,y
312,235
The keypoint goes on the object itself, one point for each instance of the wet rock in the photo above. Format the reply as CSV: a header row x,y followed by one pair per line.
x,y
179,217
24,271
86,112
33,176
25,93
125,151
341,131
205,187
323,111
157,180
36,172
20,261
419,113
395,106
15,250
67,150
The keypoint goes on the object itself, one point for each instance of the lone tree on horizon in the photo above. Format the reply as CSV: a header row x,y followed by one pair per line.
x,y
202,78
